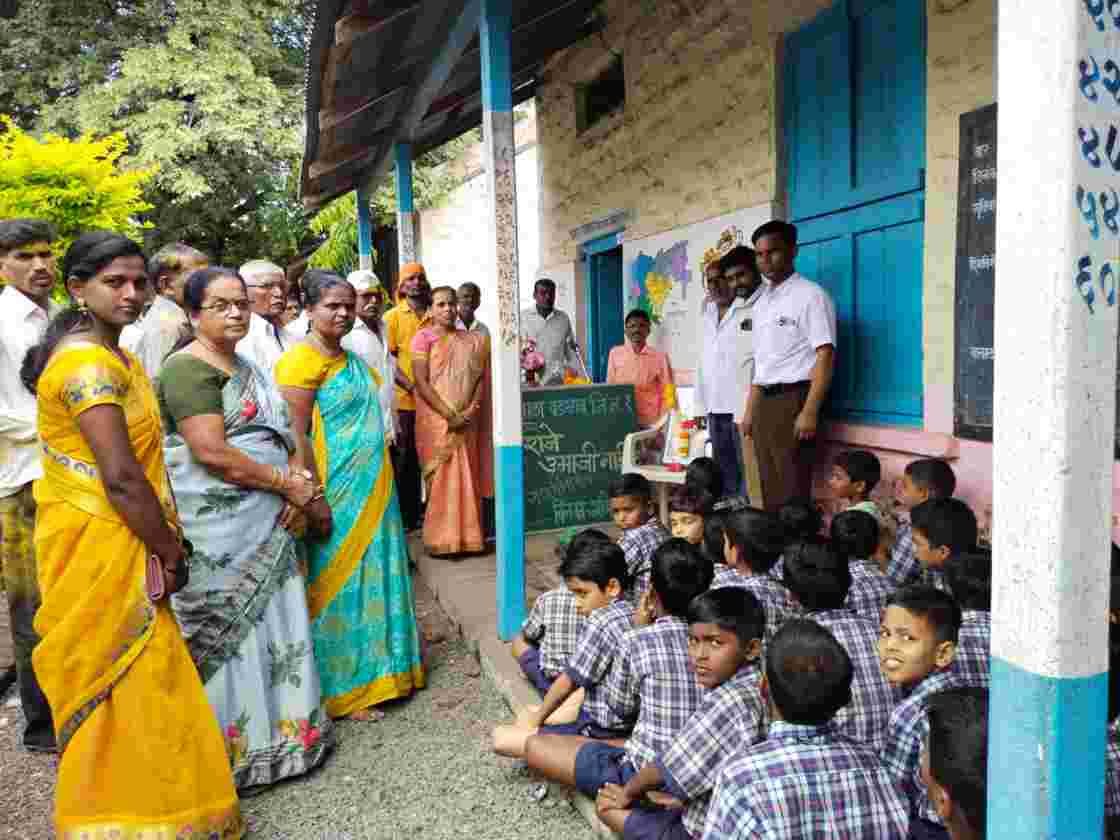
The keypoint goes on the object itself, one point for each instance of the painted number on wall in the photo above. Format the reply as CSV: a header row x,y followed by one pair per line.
x,y
1105,281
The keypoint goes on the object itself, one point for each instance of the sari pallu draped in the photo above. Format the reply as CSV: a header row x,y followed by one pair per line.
x,y
142,756
458,466
244,612
359,583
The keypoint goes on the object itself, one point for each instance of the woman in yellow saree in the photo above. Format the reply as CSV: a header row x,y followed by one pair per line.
x,y
359,586
453,437
142,755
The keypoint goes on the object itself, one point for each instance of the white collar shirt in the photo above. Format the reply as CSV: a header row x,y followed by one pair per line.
x,y
726,367
476,327
264,344
22,324
555,340
370,348
160,330
791,322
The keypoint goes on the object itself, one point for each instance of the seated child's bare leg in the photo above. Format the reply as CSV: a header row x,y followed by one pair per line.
x,y
518,646
567,713
510,740
613,818
554,756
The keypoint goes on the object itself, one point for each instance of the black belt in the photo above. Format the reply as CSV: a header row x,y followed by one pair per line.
x,y
783,387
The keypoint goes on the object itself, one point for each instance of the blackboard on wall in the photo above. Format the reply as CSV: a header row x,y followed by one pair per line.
x,y
573,438
976,271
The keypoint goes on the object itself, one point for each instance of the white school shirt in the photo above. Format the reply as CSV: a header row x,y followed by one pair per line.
x,y
726,357
366,345
791,322
264,344
22,324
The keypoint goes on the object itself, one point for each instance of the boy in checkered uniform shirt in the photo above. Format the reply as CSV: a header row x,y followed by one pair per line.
x,y
940,529
752,543
725,640
855,534
650,686
917,644
958,760
820,577
924,479
631,501
549,635
969,576
806,781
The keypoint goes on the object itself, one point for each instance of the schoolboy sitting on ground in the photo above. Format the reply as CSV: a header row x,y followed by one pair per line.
x,y
855,534
631,501
651,683
819,576
725,628
957,761
801,518
917,643
597,577
942,528
969,576
855,473
687,508
548,636
705,474
752,541
922,480
806,781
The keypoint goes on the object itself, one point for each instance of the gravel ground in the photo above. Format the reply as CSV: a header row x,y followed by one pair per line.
x,y
424,771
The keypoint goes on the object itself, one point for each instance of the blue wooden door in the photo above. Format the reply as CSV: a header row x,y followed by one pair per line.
x,y
605,302
854,120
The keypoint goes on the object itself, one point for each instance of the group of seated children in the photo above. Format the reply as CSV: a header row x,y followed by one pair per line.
x,y
748,676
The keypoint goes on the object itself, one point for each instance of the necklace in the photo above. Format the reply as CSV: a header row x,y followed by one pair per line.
x,y
216,357
315,337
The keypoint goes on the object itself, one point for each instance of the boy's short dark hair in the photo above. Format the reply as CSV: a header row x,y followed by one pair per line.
x,y
640,314
860,465
809,673
740,255
678,573
969,575
776,227
801,518
705,473
689,499
596,562
730,608
713,537
855,533
934,476
958,750
758,535
946,522
576,537
544,283
817,574
630,484
15,233
937,607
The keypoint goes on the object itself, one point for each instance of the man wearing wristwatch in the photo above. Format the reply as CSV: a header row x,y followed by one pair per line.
x,y
402,322
794,348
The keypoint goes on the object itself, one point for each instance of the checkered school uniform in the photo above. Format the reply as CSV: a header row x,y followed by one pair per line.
x,y
1112,772
554,626
870,589
973,661
638,544
596,656
803,783
777,601
904,567
906,735
865,719
652,683
730,716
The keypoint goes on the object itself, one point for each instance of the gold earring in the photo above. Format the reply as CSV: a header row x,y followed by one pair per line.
x,y
82,308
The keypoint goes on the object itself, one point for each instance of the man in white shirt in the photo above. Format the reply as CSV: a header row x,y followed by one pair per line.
x,y
469,297
27,267
365,342
723,376
166,321
551,329
795,341
267,338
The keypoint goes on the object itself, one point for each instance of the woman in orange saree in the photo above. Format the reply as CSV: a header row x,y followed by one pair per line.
x,y
453,429
142,755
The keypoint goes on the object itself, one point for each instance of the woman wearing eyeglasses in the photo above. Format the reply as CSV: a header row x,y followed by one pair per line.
x,y
228,448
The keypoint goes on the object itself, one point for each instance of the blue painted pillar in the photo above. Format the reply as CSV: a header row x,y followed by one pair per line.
x,y
497,126
406,216
1055,409
365,229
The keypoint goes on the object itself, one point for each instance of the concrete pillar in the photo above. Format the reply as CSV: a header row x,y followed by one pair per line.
x,y
1055,383
365,229
497,125
406,216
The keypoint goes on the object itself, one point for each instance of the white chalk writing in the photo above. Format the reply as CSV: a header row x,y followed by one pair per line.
x,y
983,263
982,353
982,207
982,176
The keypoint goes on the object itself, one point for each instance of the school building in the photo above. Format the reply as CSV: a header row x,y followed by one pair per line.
x,y
667,130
